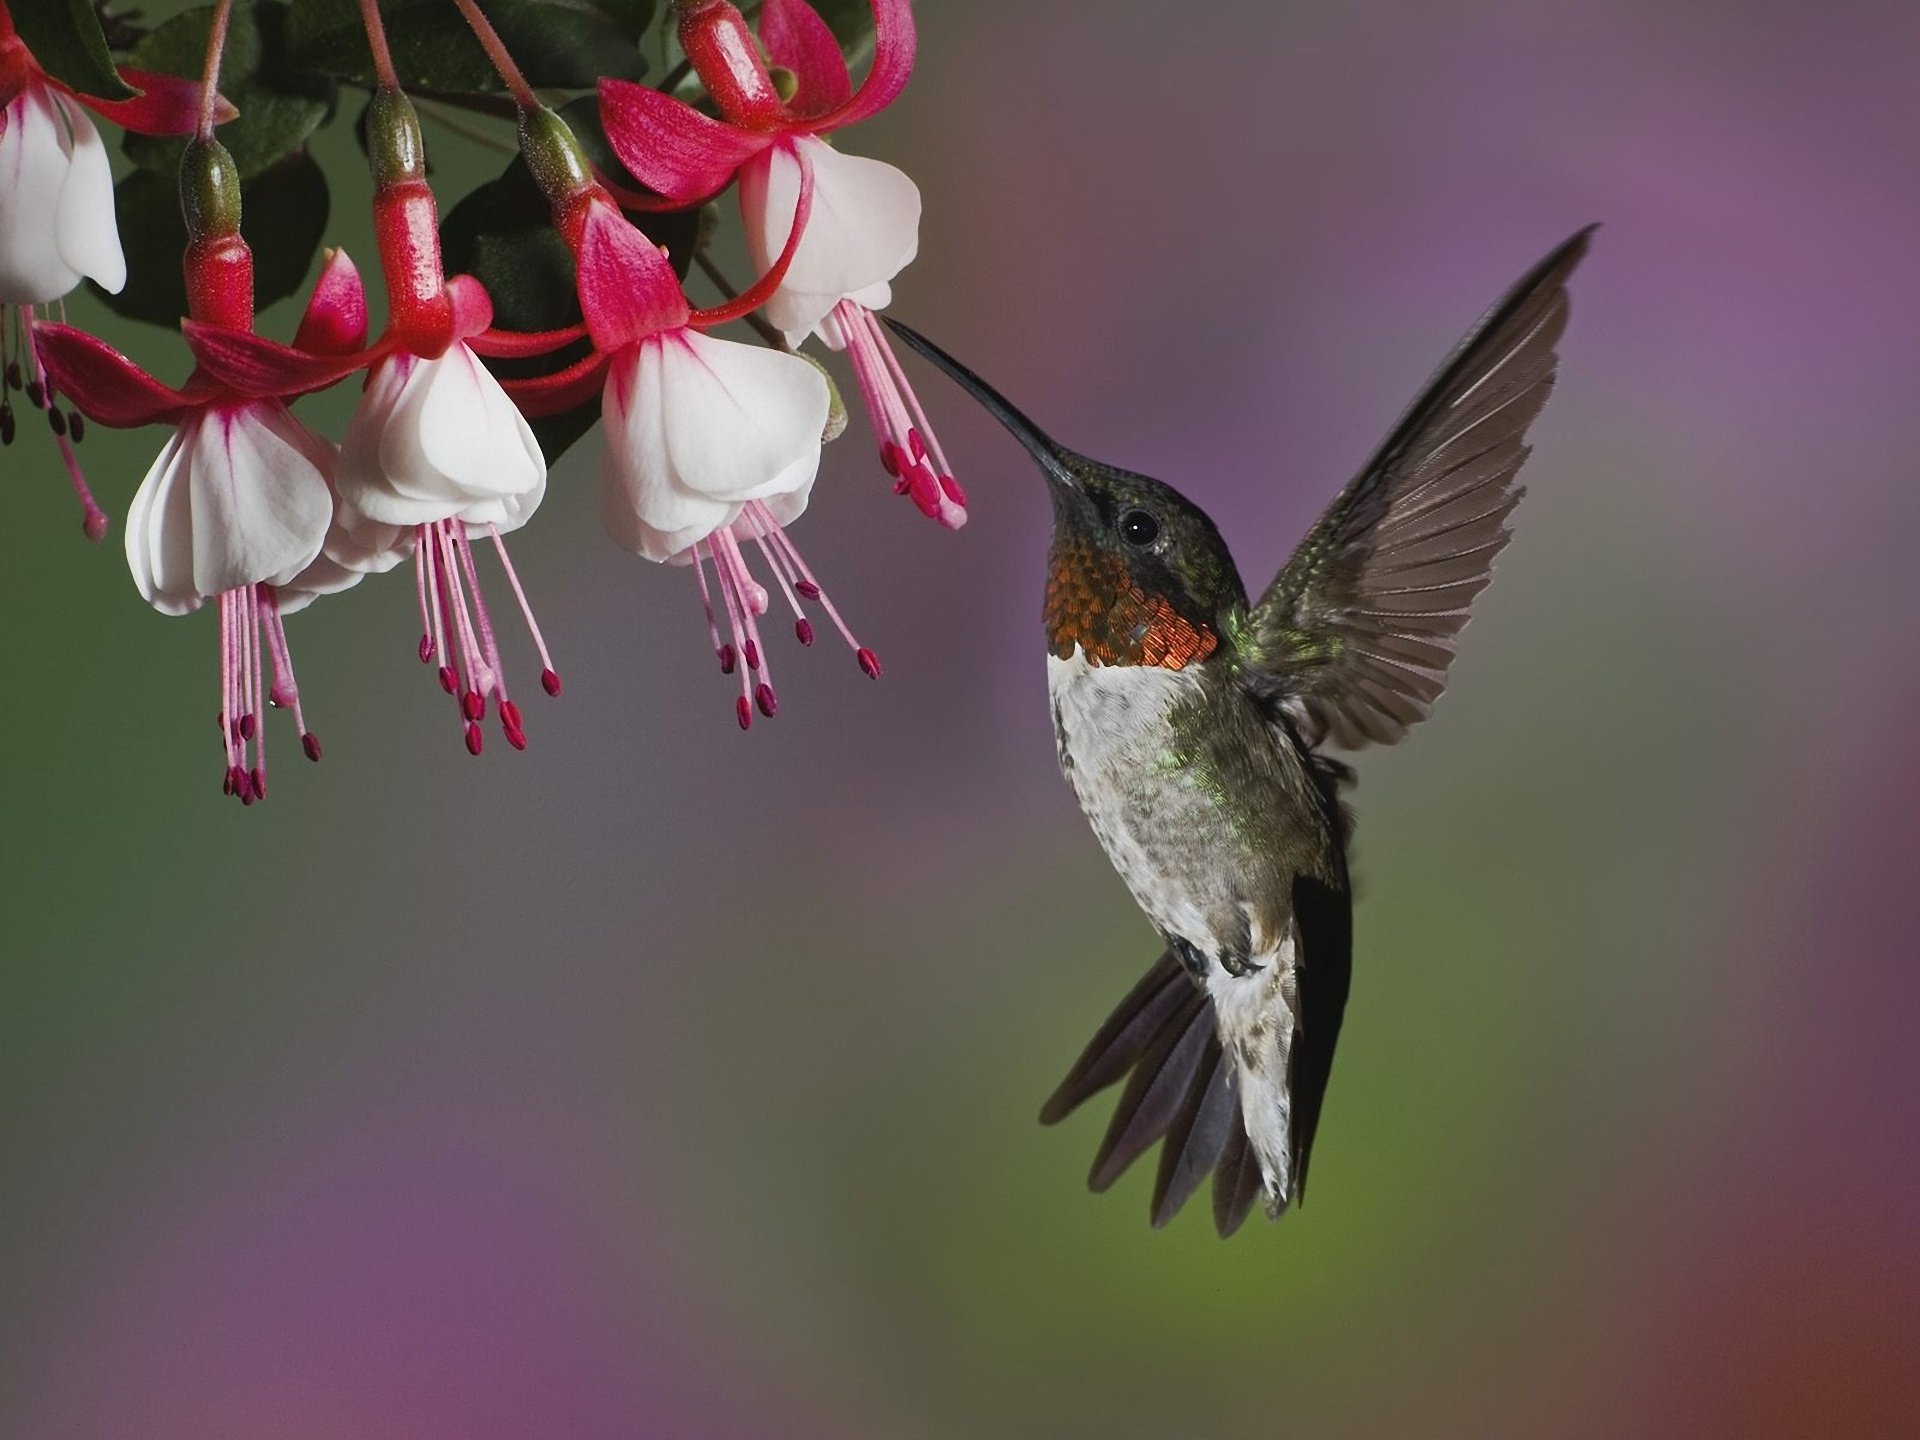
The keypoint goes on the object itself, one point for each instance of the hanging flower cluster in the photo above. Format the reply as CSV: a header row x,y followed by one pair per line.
x,y
711,444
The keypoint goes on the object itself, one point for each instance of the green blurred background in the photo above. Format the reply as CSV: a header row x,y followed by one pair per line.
x,y
668,1081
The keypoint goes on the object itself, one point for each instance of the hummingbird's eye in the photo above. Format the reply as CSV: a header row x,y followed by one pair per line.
x,y
1137,527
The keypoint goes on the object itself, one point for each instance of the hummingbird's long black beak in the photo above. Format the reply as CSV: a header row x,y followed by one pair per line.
x,y
1055,459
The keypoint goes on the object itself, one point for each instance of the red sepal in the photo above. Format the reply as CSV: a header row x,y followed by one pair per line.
x,y
797,39
893,46
335,321
628,291
671,147
523,344
758,293
561,391
108,387
167,105
255,366
472,307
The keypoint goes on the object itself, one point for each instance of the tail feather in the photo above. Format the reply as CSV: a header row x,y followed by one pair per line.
x,y
1154,1093
1181,1086
1118,1045
1199,1136
1236,1183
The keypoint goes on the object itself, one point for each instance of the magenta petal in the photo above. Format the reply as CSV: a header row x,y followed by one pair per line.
x,y
798,40
671,147
108,387
257,366
472,307
167,104
336,318
893,44
628,291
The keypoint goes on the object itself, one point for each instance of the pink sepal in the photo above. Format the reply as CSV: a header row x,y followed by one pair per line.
x,y
253,365
893,46
758,293
167,105
335,321
797,39
108,387
521,344
472,307
562,390
671,147
628,291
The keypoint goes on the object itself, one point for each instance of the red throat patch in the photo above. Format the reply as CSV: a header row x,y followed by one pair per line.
x,y
1093,602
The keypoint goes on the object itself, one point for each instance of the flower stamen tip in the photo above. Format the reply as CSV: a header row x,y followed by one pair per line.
x,y
869,662
310,743
474,738
803,630
743,712
550,681
763,697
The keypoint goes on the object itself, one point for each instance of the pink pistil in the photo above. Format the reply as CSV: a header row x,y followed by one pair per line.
x,y
252,638
909,450
457,629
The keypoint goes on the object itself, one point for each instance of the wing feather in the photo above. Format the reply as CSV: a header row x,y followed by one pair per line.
x,y
1355,636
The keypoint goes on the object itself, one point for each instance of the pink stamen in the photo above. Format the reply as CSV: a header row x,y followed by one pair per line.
x,y
909,450
454,611
93,520
253,637
736,622
806,584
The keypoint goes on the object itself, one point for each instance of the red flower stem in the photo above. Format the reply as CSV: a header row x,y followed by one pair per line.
x,y
377,43
496,49
210,76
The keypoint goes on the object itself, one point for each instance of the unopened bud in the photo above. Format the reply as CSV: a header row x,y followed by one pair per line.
x,y
209,190
554,156
394,145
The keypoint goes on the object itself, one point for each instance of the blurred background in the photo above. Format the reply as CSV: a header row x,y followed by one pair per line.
x,y
665,1080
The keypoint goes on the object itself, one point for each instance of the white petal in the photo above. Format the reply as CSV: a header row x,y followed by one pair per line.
x,y
742,421
84,223
695,427
33,168
159,530
437,440
322,577
863,230
260,500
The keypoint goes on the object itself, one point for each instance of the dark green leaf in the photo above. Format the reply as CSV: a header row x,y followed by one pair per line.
x,y
280,103
503,235
287,207
65,38
567,44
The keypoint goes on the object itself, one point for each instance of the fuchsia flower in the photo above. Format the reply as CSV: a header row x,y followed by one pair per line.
x,y
710,444
56,212
238,502
864,224
436,455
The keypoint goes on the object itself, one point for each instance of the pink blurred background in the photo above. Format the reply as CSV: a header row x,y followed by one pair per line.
x,y
669,1081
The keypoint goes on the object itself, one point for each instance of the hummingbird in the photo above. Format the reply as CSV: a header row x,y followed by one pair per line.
x,y
1192,725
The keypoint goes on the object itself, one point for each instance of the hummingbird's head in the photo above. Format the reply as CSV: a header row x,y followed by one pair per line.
x,y
1137,574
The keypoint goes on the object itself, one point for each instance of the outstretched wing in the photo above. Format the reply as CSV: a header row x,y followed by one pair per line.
x,y
1355,635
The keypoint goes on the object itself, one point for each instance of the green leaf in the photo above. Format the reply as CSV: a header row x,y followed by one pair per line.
x,y
67,42
280,103
288,206
567,44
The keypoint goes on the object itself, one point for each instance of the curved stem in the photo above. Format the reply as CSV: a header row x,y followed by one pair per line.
x,y
210,76
377,43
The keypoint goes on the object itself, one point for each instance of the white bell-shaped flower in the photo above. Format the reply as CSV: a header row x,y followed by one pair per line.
x,y
437,439
864,228
238,497
56,200
696,428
